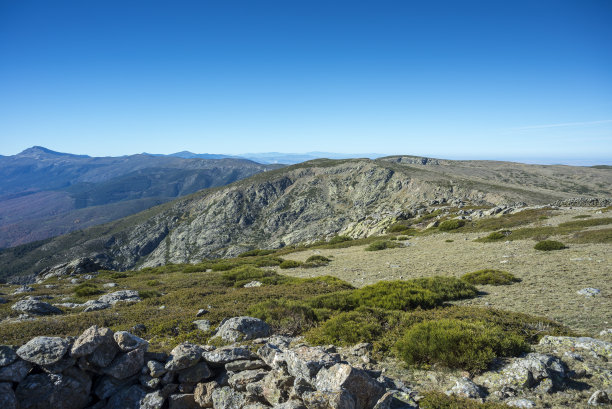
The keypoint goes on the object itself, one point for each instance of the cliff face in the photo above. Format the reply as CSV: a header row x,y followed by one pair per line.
x,y
301,203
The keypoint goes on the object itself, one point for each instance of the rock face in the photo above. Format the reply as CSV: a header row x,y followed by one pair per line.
x,y
35,307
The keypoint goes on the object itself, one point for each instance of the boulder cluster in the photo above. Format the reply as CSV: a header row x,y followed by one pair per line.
x,y
106,369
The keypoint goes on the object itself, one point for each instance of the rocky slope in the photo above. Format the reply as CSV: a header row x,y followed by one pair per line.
x,y
45,193
303,203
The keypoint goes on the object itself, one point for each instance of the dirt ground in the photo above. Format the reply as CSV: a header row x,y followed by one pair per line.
x,y
549,283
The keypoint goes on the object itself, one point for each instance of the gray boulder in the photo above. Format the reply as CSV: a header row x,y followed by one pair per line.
x,y
466,388
126,364
243,329
244,365
8,400
91,339
15,372
120,296
226,355
227,398
203,393
240,380
128,342
7,355
202,325
156,368
65,391
35,307
520,403
95,305
599,398
306,361
339,377
330,400
596,346
184,356
194,374
44,350
589,292
182,401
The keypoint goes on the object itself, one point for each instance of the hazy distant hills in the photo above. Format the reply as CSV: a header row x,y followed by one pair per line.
x,y
302,203
277,157
44,193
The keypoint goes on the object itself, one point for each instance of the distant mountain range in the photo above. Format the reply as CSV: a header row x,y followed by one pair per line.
x,y
276,157
44,193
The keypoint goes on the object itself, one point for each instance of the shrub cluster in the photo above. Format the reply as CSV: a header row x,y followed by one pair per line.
x,y
490,277
549,245
290,264
381,245
451,224
86,289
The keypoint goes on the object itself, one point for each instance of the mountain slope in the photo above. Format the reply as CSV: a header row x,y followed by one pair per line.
x,y
301,203
42,191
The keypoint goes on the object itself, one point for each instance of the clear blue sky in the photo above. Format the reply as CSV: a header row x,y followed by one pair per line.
x,y
524,80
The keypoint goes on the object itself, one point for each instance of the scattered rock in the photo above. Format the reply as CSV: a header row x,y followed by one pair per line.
x,y
120,296
253,284
202,325
466,388
521,403
23,289
599,347
109,285
306,361
201,312
35,307
96,305
589,292
243,329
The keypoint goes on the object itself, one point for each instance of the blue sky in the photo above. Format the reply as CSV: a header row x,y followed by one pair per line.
x,y
521,80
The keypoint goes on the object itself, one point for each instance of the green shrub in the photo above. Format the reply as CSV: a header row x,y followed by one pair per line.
x,y
397,295
339,239
593,236
318,260
582,216
245,274
149,294
397,228
338,301
86,289
452,224
403,237
285,316
347,328
256,252
490,277
448,241
222,266
117,275
381,245
495,236
153,283
290,264
269,262
449,288
549,245
457,344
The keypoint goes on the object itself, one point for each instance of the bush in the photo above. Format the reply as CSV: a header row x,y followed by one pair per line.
x,y
397,295
490,277
397,228
86,289
381,245
269,262
290,264
117,275
285,316
149,294
153,283
245,274
452,224
449,288
339,239
256,252
495,236
457,344
549,245
338,301
347,328
316,261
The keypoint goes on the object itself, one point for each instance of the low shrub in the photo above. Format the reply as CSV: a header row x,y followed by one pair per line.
x,y
256,252
403,237
582,216
347,328
117,275
381,245
449,288
153,283
317,261
149,294
448,241
452,224
457,344
490,277
339,239
86,289
549,245
493,237
397,228
290,264
285,316
269,262
397,295
338,301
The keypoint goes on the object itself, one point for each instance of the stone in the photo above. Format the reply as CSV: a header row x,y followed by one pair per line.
x,y
272,355
126,364
149,382
292,404
599,398
276,386
7,355
107,386
96,305
306,361
182,401
15,372
528,372
120,296
156,399
227,398
203,393
3,300
194,374
128,342
253,283
91,339
8,400
330,400
466,388
589,292
202,325
109,285
44,350
240,380
35,307
42,391
183,356
599,347
520,403
201,312
23,289
60,366
243,329
127,398
395,399
300,387
156,369
104,354
222,356
244,365
365,390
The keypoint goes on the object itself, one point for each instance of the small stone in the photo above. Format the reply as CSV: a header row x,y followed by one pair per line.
x,y
194,374
201,312
23,289
182,401
120,296
126,364
521,403
203,393
109,285
226,355
91,339
244,365
466,388
227,398
254,283
156,369
589,292
240,380
599,398
202,325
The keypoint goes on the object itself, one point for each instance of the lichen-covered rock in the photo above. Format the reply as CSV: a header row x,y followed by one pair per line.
x,y
242,329
599,347
58,391
184,356
330,400
202,325
95,305
128,342
227,398
182,401
7,355
292,404
194,374
244,365
520,403
306,361
15,372
276,386
126,364
395,399
203,393
44,350
107,386
8,400
272,355
104,354
60,366
156,399
222,356
365,390
466,388
156,368
240,380
35,307
120,296
91,339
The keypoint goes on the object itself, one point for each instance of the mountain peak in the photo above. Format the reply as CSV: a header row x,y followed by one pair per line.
x,y
41,151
